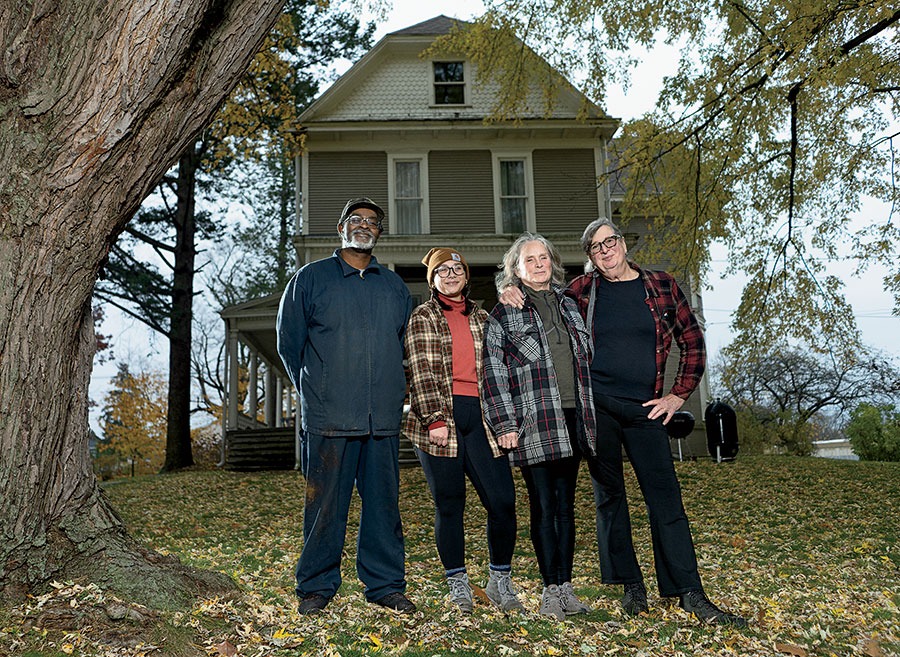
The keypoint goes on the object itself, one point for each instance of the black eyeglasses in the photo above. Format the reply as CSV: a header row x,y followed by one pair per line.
x,y
444,272
606,244
355,220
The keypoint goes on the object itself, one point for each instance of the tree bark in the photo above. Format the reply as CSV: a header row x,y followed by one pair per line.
x,y
97,99
181,317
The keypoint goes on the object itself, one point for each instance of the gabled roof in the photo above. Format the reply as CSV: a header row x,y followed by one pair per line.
x,y
368,92
436,26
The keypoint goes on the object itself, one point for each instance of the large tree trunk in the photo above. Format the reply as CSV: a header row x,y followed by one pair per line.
x,y
181,317
97,99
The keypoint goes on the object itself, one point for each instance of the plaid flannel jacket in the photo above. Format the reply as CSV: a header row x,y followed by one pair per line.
x,y
672,315
520,392
430,362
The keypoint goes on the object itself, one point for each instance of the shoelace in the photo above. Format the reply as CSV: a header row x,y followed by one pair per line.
x,y
704,606
504,585
458,587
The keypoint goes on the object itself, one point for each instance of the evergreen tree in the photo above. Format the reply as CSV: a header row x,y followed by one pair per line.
x,y
251,126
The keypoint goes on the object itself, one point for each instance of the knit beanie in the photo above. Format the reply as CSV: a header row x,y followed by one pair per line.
x,y
438,256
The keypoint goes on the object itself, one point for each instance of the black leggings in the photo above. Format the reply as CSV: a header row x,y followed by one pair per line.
x,y
551,500
490,476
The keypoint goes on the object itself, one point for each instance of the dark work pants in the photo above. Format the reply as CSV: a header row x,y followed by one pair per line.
x,y
625,423
551,501
332,466
490,476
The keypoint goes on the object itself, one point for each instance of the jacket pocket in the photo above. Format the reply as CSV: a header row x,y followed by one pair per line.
x,y
524,347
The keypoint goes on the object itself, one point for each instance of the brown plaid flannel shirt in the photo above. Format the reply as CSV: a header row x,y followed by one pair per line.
x,y
430,361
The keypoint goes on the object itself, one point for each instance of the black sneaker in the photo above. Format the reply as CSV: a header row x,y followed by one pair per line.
x,y
312,603
396,601
697,603
635,599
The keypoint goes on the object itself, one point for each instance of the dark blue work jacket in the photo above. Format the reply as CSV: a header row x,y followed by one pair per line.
x,y
340,335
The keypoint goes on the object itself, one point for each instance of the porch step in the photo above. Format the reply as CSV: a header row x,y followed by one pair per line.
x,y
273,449
260,449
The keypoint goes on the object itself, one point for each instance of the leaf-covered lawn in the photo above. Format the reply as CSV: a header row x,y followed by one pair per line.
x,y
807,549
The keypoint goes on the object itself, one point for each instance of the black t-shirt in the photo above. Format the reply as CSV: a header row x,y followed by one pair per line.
x,y
624,362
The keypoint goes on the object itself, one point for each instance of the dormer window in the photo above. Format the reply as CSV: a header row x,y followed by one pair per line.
x,y
449,83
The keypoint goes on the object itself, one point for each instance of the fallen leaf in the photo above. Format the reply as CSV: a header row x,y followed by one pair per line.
x,y
871,648
227,649
791,649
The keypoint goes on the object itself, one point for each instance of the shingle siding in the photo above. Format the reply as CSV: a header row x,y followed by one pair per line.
x,y
400,89
461,192
565,189
336,177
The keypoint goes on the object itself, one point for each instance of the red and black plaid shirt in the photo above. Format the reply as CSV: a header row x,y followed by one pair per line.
x,y
673,317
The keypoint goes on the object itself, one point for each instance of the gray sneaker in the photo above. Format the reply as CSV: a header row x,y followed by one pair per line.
x,y
570,602
550,603
500,591
460,591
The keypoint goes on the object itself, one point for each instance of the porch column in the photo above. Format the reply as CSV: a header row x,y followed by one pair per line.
x,y
253,390
270,396
233,372
279,401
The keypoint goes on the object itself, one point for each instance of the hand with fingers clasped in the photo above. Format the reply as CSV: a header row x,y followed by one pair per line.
x,y
508,440
439,436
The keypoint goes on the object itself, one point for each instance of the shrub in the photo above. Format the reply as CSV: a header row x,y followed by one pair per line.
x,y
874,432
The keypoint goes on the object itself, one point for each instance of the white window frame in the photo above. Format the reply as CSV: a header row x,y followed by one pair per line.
x,y
422,159
500,156
464,85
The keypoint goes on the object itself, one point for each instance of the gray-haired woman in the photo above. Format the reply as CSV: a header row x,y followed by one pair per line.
x,y
537,400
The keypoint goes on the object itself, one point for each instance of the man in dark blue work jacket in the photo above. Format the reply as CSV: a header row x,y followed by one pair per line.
x,y
340,335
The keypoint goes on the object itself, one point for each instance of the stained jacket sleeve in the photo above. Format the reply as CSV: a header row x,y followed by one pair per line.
x,y
292,329
423,349
499,410
689,337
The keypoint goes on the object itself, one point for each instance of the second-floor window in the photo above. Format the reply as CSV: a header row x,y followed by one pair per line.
x,y
513,196
408,197
449,83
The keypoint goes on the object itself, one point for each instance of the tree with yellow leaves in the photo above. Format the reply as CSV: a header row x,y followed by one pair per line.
x,y
133,420
780,119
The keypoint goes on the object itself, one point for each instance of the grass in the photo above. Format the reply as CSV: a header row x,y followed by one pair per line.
x,y
807,549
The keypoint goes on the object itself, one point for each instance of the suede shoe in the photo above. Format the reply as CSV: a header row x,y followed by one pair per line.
x,y
396,601
696,602
635,599
460,592
570,602
312,603
501,592
550,604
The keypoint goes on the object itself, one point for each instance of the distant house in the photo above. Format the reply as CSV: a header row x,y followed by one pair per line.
x,y
410,133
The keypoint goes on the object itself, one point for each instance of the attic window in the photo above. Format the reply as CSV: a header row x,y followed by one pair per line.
x,y
449,83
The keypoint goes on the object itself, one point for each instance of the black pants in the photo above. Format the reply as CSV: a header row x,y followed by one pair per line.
x,y
625,423
551,501
490,476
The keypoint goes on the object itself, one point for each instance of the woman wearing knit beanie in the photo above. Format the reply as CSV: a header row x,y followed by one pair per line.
x,y
444,344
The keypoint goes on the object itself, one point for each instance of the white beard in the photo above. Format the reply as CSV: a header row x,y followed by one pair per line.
x,y
361,240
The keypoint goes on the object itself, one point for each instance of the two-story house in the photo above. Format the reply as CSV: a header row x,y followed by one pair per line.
x,y
410,132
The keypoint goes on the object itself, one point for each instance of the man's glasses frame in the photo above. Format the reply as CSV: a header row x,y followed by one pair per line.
x,y
355,220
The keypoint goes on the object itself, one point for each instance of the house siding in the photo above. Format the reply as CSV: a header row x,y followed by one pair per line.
x,y
335,177
565,189
401,88
461,192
